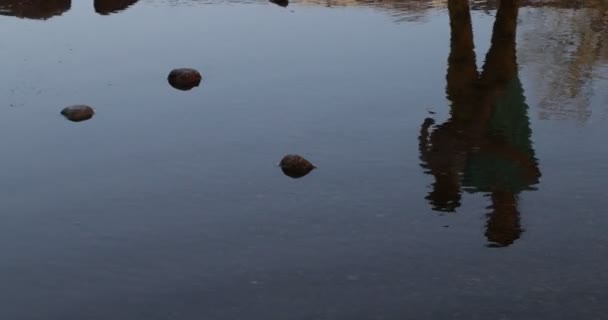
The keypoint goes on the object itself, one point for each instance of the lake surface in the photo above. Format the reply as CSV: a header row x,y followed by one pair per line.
x,y
460,149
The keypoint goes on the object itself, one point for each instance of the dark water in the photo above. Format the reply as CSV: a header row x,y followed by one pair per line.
x,y
461,160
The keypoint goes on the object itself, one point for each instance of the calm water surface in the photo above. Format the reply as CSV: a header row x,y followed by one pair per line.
x,y
460,150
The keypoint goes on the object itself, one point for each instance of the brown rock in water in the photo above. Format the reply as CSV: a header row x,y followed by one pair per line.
x,y
295,166
78,113
184,78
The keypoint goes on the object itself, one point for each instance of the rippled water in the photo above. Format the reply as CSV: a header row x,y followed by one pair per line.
x,y
460,159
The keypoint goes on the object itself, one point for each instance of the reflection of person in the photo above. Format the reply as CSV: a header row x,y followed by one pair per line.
x,y
105,7
485,144
34,9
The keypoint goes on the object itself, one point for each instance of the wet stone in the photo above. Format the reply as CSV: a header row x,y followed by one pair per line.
x,y
295,166
282,3
106,7
78,113
184,78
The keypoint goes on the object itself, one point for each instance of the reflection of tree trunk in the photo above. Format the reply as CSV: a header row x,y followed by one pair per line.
x,y
500,66
462,65
444,152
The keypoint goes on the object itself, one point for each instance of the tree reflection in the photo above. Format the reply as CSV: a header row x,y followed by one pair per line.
x,y
485,145
106,7
34,9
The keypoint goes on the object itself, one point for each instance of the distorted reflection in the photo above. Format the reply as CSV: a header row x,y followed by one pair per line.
x,y
567,55
485,145
106,7
34,9
402,10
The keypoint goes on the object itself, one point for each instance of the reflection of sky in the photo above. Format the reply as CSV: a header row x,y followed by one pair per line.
x,y
170,201
240,41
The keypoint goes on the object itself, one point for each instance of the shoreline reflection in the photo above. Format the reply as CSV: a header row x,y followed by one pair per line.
x,y
34,9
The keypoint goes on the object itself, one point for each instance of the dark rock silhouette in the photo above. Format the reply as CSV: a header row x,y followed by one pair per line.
x,y
184,78
106,7
78,113
295,166
34,9
281,3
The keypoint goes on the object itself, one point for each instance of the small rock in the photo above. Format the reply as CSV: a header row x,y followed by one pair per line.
x,y
184,78
282,3
78,113
106,7
295,166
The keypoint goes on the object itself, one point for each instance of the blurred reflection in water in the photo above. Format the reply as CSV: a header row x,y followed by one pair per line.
x,y
105,7
485,145
34,9
566,50
402,10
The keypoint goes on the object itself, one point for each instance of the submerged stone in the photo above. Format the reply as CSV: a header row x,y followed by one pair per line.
x,y
184,78
78,113
295,166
